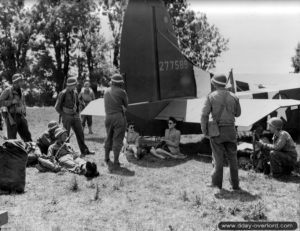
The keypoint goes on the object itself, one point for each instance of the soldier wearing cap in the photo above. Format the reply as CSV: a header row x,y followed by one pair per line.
x,y
223,106
67,105
115,103
283,155
47,138
87,95
13,98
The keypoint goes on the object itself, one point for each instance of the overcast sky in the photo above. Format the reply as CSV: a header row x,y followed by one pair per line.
x,y
262,35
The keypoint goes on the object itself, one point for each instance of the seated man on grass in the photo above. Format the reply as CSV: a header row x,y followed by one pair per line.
x,y
283,154
47,138
64,154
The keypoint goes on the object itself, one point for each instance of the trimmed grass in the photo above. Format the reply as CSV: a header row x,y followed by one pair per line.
x,y
149,194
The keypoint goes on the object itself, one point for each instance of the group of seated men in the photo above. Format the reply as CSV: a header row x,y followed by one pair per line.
x,y
53,152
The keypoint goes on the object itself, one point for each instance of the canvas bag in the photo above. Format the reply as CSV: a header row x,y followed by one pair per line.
x,y
13,160
212,126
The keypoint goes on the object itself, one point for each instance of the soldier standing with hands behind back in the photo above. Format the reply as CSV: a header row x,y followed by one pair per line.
x,y
15,117
115,103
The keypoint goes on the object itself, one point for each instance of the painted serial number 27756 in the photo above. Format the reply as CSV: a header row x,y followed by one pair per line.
x,y
171,65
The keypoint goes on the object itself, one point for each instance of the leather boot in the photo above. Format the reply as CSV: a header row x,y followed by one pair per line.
x,y
116,159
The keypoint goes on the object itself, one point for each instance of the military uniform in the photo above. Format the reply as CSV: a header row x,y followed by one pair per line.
x,y
13,99
283,155
67,105
65,154
87,95
115,102
226,142
47,138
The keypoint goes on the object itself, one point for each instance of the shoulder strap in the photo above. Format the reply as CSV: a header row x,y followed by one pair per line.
x,y
221,109
113,98
63,96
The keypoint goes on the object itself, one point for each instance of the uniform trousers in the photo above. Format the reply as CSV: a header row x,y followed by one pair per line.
x,y
115,125
282,162
20,126
225,145
74,122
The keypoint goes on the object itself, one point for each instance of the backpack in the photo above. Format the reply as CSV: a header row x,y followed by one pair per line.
x,y
33,152
13,160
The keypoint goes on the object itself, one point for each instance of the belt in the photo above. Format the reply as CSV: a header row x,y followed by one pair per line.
x,y
114,113
69,111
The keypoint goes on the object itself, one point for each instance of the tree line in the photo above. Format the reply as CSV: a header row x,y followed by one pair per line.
x,y
55,39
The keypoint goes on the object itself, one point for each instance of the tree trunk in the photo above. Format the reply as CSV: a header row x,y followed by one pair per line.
x,y
116,52
66,57
59,76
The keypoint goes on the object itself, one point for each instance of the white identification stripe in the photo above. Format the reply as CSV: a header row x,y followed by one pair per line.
x,y
218,82
17,79
117,81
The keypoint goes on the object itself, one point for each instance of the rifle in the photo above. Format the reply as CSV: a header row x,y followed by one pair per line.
x,y
66,141
261,157
11,119
64,85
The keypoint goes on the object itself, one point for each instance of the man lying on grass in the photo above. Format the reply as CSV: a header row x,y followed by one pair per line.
x,y
67,158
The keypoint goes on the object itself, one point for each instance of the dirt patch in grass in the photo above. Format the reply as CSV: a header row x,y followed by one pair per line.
x,y
155,195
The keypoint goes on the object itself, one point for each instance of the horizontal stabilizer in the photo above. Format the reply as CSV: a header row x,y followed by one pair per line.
x,y
95,108
252,110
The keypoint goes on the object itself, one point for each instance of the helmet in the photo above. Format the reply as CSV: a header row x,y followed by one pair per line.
x,y
275,122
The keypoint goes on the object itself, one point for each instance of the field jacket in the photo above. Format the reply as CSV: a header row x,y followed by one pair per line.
x,y
68,103
282,142
213,105
7,97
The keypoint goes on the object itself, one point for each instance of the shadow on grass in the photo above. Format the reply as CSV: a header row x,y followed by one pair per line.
x,y
203,146
295,178
100,140
241,195
122,171
150,161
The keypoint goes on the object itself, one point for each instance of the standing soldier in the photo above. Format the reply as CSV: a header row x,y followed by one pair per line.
x,y
224,106
13,99
67,105
87,95
115,103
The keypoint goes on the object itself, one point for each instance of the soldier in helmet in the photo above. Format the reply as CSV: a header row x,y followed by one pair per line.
x,y
13,99
87,95
115,103
67,105
223,106
47,138
283,155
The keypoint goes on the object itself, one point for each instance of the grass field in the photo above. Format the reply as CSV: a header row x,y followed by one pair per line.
x,y
149,194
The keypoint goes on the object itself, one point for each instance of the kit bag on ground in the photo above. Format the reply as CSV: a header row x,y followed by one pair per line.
x,y
13,160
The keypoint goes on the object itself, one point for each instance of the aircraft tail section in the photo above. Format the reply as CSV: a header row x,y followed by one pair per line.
x,y
154,67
